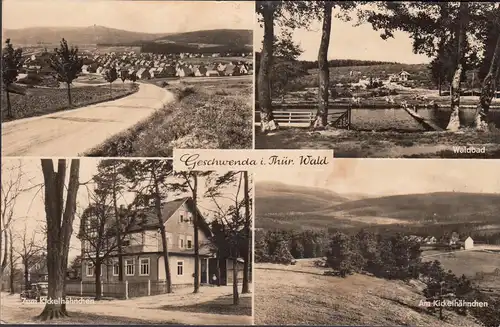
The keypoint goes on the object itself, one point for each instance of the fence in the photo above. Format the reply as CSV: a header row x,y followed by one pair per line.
x,y
120,290
304,118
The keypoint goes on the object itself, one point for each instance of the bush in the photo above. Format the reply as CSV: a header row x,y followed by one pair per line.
x,y
282,254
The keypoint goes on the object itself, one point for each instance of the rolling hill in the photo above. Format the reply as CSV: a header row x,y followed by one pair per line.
x,y
296,207
217,40
76,35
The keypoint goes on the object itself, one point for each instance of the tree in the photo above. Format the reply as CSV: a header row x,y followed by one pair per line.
x,y
343,256
489,82
285,13
110,76
31,252
59,216
149,179
67,65
132,78
11,63
460,35
124,75
324,71
110,173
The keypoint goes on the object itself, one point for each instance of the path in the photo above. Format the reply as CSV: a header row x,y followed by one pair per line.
x,y
73,132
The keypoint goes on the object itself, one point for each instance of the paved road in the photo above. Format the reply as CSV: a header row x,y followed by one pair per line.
x,y
73,132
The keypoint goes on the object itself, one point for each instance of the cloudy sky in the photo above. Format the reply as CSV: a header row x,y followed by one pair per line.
x,y
379,177
137,16
350,42
29,211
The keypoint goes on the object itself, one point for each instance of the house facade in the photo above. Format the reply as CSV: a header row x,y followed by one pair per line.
x,y
143,258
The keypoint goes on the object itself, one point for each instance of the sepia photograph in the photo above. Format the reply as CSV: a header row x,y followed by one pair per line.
x,y
106,78
379,243
379,79
107,241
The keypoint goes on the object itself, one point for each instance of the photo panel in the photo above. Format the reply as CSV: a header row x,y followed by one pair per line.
x,y
127,78
118,241
378,80
379,243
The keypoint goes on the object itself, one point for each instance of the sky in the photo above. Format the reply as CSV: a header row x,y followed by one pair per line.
x,y
350,42
29,211
137,16
381,177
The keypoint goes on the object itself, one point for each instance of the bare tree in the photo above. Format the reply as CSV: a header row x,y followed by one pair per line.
x,y
59,214
31,252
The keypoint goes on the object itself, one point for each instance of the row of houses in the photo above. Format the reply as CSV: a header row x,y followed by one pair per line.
x,y
453,240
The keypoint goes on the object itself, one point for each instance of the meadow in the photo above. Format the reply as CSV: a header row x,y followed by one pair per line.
x,y
211,114
42,101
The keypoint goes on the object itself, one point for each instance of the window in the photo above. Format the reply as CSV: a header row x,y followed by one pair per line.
x,y
190,218
116,268
90,269
144,267
181,216
126,242
189,242
181,241
180,268
130,267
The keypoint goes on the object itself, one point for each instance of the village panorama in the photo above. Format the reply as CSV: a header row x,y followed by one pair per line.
x,y
133,242
100,87
379,243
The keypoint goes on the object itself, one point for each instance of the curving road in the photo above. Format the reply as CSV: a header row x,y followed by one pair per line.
x,y
73,132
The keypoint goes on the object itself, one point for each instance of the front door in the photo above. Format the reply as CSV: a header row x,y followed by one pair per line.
x,y
204,271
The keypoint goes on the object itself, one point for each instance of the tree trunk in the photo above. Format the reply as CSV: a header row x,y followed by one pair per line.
x,y
454,123
321,119
69,94
118,223
26,274
267,122
246,255
196,245
97,271
440,86
236,296
9,106
110,90
12,266
163,234
488,90
59,217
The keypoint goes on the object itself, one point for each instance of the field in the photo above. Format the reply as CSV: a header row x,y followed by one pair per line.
x,y
468,263
211,114
302,295
41,101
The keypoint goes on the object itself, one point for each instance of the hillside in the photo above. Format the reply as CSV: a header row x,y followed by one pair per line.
x,y
76,35
207,40
275,197
237,38
296,207
303,295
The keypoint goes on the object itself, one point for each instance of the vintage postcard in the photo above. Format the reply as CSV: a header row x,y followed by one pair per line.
x,y
125,78
379,79
379,243
105,241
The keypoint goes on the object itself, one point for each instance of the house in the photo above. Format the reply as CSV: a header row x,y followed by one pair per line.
x,y
243,70
37,271
466,244
201,71
403,76
184,71
212,73
430,240
143,73
230,70
143,259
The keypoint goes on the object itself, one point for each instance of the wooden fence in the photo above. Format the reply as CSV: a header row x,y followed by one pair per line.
x,y
121,290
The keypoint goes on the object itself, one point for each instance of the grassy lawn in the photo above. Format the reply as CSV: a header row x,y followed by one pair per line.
x,y
468,263
389,144
214,114
41,101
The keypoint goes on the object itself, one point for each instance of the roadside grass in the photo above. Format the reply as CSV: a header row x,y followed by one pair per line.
x,y
221,305
42,101
210,115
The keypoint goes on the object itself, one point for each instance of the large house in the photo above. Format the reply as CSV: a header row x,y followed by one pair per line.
x,y
143,259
